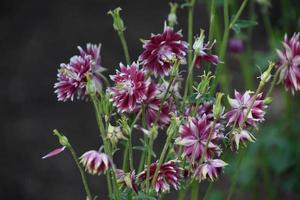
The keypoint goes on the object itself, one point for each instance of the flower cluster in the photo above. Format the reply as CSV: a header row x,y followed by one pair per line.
x,y
147,94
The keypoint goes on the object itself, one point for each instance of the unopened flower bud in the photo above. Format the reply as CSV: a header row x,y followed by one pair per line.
x,y
63,140
203,86
118,23
268,100
172,18
218,108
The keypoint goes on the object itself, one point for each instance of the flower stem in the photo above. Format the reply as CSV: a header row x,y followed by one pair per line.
x,y
107,148
130,142
150,145
125,47
273,83
190,74
162,156
83,177
220,69
190,41
210,186
236,175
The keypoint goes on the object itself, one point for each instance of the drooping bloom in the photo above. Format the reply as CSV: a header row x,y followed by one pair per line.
x,y
202,49
95,162
127,179
54,152
289,63
152,107
238,137
235,45
169,174
240,105
162,50
210,169
194,135
72,77
130,88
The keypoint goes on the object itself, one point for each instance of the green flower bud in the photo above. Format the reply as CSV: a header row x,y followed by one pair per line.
x,y
268,100
217,107
118,23
172,18
63,140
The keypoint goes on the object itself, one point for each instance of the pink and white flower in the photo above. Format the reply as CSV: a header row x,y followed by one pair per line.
x,y
289,63
95,162
130,88
162,50
194,135
210,169
169,174
240,105
202,50
152,107
237,137
72,77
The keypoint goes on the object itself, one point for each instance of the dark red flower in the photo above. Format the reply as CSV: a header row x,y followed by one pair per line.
x,y
162,50
130,88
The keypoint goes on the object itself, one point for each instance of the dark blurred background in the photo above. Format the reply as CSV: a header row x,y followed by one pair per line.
x,y
36,36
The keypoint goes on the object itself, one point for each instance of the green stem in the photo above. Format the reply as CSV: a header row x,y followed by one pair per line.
x,y
220,69
150,145
190,41
83,177
247,70
125,47
181,194
190,74
107,148
130,142
143,157
210,186
162,156
125,157
235,176
273,83
194,190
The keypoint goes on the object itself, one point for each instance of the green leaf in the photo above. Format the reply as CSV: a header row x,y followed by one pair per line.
x,y
241,23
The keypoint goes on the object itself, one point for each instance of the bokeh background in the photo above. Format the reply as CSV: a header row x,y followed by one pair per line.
x,y
37,35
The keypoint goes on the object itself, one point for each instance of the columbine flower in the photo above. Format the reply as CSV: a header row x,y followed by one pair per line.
x,y
194,135
152,107
130,88
201,51
127,179
238,137
95,162
240,105
72,77
162,50
210,169
168,174
289,63
235,45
